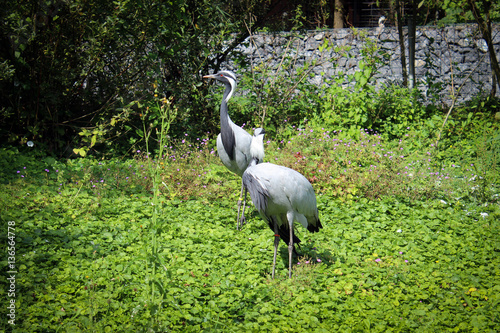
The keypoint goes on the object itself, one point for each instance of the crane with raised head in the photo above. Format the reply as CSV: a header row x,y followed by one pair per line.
x,y
233,142
282,196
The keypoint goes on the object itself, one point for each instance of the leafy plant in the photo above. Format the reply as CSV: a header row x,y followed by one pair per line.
x,y
353,109
85,67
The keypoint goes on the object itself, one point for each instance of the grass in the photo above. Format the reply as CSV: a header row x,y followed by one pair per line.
x,y
410,241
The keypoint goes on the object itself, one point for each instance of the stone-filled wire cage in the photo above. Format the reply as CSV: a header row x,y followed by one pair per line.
x,y
449,61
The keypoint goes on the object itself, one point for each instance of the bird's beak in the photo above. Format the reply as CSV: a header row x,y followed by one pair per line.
x,y
211,76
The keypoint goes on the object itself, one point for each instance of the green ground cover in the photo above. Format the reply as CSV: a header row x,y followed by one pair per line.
x,y
410,241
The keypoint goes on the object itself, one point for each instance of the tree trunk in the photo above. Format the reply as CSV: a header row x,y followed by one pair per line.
x,y
399,14
485,28
411,52
338,18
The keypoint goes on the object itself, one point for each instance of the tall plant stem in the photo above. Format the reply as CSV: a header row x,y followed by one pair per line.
x,y
167,115
454,100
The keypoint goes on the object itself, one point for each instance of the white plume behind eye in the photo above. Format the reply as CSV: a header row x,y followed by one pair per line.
x,y
232,81
228,74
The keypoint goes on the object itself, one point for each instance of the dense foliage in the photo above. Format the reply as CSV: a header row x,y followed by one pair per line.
x,y
87,67
82,74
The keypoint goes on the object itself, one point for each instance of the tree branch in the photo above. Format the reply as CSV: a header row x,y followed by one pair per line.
x,y
485,28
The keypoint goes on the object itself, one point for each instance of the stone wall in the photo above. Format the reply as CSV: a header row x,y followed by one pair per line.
x,y
447,60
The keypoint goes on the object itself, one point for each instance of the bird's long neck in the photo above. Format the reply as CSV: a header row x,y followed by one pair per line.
x,y
227,134
224,115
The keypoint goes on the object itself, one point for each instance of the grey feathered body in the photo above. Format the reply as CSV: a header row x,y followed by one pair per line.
x,y
282,195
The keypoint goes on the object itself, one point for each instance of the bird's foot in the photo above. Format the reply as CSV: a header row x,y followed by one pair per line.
x,y
239,223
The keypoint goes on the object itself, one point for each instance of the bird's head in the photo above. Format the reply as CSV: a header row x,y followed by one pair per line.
x,y
223,76
257,145
226,77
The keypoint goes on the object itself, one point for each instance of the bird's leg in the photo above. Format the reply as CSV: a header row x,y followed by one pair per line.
x,y
290,253
243,220
276,243
290,217
238,223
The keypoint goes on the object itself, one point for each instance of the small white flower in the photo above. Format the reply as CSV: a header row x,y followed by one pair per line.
x,y
399,230
444,202
30,143
483,215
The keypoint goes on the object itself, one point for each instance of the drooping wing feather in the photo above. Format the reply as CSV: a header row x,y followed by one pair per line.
x,y
258,192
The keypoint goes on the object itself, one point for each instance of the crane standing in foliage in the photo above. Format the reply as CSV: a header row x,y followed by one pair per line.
x,y
282,196
233,142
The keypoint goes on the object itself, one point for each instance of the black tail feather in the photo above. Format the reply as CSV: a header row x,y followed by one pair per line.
x,y
314,227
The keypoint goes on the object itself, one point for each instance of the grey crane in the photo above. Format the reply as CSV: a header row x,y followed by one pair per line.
x,y
233,142
282,196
